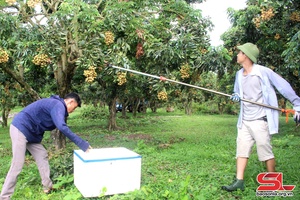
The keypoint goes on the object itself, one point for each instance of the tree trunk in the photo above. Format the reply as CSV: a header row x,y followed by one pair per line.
x,y
221,107
134,111
124,111
153,106
63,76
188,106
112,122
5,114
135,107
59,139
144,106
124,108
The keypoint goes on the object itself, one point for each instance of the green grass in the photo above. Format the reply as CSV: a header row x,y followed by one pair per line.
x,y
183,157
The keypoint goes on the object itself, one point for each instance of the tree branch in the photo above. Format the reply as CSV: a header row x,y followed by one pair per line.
x,y
21,81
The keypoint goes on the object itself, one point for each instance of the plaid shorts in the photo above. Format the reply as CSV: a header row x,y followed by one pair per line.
x,y
254,132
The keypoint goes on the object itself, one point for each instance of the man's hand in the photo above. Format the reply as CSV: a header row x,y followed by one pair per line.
x,y
297,117
235,97
88,150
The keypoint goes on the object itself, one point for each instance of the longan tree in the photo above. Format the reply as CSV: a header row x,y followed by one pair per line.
x,y
76,41
274,27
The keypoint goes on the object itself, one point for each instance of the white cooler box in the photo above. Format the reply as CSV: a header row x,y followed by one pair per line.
x,y
106,171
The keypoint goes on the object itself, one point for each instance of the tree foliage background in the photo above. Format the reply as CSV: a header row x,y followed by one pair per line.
x,y
62,46
55,46
274,26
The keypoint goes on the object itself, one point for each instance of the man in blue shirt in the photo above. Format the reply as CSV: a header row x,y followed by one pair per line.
x,y
256,123
27,131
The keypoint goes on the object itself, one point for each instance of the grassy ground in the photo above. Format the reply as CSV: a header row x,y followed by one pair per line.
x,y
183,157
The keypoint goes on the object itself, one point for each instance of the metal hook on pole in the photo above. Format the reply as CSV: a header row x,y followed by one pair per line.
x,y
287,111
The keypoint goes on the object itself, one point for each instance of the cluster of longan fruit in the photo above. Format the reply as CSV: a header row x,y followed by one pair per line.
x,y
109,37
41,59
3,56
162,95
277,36
121,78
185,71
10,2
90,74
33,3
139,50
140,33
295,16
257,22
203,51
266,15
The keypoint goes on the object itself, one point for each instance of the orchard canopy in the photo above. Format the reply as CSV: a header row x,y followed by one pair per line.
x,y
58,46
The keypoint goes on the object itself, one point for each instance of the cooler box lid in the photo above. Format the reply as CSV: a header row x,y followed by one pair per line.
x,y
106,154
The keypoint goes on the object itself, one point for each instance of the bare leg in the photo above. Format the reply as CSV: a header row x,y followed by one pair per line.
x,y
270,165
241,164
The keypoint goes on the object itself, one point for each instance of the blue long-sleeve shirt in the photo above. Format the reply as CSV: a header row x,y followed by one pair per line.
x,y
45,115
268,80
